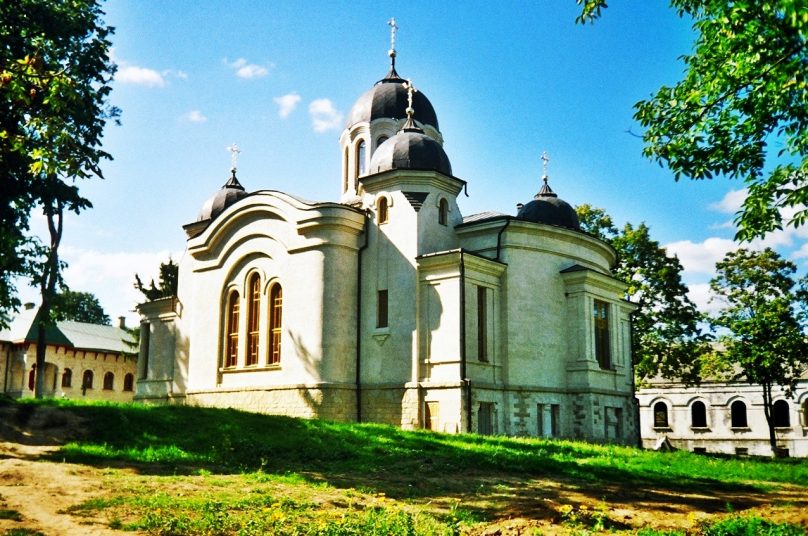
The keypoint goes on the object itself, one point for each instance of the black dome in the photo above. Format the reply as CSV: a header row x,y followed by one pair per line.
x,y
410,149
229,194
549,209
388,98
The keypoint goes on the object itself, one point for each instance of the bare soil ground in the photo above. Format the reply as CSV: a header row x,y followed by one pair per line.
x,y
42,491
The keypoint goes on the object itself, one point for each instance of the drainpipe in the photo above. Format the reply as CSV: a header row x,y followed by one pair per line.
x,y
463,374
359,322
499,236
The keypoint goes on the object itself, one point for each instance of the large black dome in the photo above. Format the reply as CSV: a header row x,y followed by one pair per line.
x,y
388,98
410,149
228,195
549,209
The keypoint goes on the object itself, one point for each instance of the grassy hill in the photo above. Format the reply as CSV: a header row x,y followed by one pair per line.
x,y
182,470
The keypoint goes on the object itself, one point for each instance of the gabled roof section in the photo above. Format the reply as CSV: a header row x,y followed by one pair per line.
x,y
77,335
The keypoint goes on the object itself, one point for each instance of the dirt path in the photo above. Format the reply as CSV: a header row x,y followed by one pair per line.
x,y
42,491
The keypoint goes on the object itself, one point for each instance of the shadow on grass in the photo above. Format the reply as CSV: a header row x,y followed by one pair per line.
x,y
504,475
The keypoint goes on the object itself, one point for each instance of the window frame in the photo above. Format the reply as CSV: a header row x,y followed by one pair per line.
x,y
129,382
443,211
359,154
87,379
736,415
601,332
275,324
383,210
251,356
67,378
231,331
660,408
781,418
698,420
482,324
109,381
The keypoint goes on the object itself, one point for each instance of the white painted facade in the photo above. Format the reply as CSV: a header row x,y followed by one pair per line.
x,y
488,324
667,411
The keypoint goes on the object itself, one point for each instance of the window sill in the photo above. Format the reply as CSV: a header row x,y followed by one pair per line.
x,y
663,429
783,429
251,368
700,429
740,429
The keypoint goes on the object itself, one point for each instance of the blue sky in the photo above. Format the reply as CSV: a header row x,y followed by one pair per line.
x,y
508,80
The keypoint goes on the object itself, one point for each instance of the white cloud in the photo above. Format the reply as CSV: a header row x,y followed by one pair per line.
x,y
731,202
194,116
182,75
701,257
141,76
324,116
243,69
700,294
287,104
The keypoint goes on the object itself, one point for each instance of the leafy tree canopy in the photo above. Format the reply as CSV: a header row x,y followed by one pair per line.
x,y
169,272
666,336
54,86
78,306
740,110
765,314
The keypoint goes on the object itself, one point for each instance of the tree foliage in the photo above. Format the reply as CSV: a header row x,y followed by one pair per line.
x,y
764,314
666,337
79,307
740,110
169,273
54,85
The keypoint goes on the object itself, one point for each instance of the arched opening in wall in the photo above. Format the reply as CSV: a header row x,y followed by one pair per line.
x,y
660,415
698,414
109,381
600,314
738,415
360,158
383,210
485,418
443,212
781,414
32,378
67,378
129,382
275,323
381,140
253,319
231,331
805,413
87,380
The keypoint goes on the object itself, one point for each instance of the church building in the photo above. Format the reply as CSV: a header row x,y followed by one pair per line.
x,y
391,306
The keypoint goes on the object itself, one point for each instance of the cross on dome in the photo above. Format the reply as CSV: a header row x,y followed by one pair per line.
x,y
410,90
393,28
234,152
544,160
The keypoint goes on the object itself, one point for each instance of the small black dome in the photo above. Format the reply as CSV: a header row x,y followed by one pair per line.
x,y
388,98
410,149
549,209
230,193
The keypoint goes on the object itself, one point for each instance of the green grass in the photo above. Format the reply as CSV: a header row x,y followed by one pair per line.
x,y
10,514
216,471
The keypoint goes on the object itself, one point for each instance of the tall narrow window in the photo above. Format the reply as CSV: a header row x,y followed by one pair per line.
x,y
781,415
345,171
109,381
253,319
555,420
383,212
145,333
698,415
67,377
360,158
381,309
482,324
600,313
275,323
805,413
738,414
443,212
129,382
540,420
87,380
660,415
32,378
231,334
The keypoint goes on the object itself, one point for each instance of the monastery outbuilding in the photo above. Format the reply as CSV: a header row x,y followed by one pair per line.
x,y
390,306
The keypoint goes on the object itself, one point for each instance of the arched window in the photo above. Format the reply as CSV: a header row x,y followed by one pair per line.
x,y
698,415
381,140
443,212
345,171
129,382
360,158
660,415
383,210
87,380
275,322
253,319
780,412
109,381
805,413
67,377
231,332
738,414
32,378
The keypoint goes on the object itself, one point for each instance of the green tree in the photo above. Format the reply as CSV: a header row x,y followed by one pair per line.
x,y
169,273
78,306
764,314
55,75
666,336
740,109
